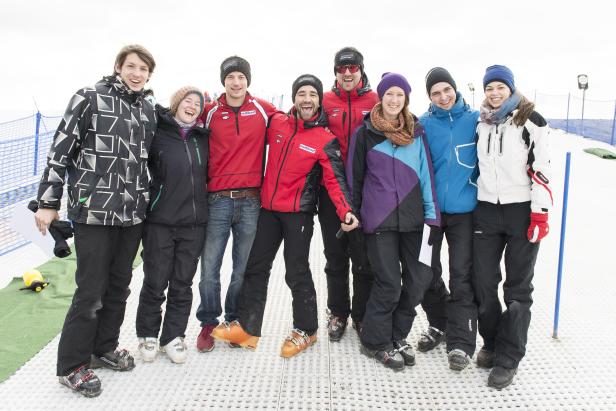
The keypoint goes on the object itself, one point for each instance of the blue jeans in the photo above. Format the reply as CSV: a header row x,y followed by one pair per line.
x,y
226,215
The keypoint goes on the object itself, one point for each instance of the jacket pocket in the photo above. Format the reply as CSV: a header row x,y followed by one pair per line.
x,y
466,155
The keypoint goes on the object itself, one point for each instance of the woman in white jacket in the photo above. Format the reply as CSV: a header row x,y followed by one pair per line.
x,y
511,218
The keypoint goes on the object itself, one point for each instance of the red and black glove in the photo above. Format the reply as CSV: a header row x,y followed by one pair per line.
x,y
538,228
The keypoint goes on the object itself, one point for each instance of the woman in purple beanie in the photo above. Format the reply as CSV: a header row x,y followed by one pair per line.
x,y
511,218
391,181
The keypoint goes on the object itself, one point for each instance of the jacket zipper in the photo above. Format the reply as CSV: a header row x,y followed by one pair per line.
x,y
197,150
237,124
489,140
192,179
451,148
160,191
282,163
500,141
350,121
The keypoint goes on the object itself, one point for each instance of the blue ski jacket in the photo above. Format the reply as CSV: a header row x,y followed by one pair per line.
x,y
453,148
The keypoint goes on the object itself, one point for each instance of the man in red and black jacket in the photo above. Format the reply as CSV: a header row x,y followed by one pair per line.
x,y
346,104
237,123
301,150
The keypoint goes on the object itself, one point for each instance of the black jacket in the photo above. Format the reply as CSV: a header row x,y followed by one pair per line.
x,y
101,149
178,193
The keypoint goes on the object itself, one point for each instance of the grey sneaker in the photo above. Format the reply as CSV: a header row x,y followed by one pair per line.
x,y
84,381
390,359
118,360
406,351
176,350
458,359
148,347
430,339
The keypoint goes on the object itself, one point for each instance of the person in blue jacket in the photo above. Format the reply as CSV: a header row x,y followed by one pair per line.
x,y
450,128
392,186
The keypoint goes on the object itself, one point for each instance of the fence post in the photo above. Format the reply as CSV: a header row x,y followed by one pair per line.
x,y
36,142
568,102
563,230
613,124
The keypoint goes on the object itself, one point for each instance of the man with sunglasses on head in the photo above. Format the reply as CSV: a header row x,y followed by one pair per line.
x,y
349,100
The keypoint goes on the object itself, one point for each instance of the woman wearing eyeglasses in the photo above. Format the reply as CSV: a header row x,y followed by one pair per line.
x,y
511,218
392,186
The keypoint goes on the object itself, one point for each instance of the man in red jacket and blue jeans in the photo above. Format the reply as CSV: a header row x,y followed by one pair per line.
x,y
301,150
349,100
237,123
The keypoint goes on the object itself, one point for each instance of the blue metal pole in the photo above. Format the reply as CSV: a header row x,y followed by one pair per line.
x,y
613,124
36,142
568,103
561,252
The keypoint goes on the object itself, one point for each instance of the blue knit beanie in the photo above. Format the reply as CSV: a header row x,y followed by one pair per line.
x,y
389,80
499,73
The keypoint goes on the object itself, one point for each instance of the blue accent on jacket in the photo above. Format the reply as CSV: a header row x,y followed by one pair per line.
x,y
453,148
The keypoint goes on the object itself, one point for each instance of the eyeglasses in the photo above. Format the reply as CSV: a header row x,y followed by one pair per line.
x,y
353,68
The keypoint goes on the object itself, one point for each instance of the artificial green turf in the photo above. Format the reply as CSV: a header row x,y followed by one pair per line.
x,y
29,320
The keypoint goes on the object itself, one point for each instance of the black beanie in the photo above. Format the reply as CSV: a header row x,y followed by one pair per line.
x,y
438,75
234,63
349,55
307,80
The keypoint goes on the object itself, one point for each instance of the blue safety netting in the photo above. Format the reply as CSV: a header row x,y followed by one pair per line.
x,y
24,144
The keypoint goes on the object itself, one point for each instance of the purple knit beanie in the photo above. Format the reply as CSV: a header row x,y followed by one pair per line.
x,y
389,80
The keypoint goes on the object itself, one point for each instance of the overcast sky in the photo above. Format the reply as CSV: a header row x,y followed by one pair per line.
x,y
52,48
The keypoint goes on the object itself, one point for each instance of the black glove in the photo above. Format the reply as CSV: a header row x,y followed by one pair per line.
x,y
59,230
436,233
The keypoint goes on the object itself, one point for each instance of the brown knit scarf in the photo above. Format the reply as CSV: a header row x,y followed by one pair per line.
x,y
400,131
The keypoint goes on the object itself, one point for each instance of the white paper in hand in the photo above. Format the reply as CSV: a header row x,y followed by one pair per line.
x,y
425,253
23,223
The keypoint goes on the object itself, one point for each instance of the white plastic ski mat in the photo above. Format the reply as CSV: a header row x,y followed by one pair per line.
x,y
574,373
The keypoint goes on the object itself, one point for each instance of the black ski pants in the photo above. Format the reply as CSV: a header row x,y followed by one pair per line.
x,y
170,258
502,228
105,255
455,312
272,228
337,253
400,282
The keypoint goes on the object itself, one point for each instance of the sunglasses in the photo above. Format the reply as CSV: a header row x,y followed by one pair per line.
x,y
353,68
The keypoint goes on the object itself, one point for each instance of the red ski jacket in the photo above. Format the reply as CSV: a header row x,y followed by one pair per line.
x,y
299,152
237,143
346,110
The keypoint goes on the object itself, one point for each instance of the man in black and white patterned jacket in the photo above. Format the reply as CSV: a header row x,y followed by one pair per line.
x,y
100,149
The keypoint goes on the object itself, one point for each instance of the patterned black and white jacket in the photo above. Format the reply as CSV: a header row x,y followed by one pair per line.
x,y
102,144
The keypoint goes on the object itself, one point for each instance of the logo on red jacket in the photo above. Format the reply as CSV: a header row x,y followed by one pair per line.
x,y
248,113
307,148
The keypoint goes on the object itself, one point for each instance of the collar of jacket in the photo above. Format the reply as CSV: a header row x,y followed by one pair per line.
x,y
456,111
319,120
121,87
167,122
362,88
222,100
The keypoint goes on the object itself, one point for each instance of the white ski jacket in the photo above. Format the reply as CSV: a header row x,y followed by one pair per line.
x,y
514,163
